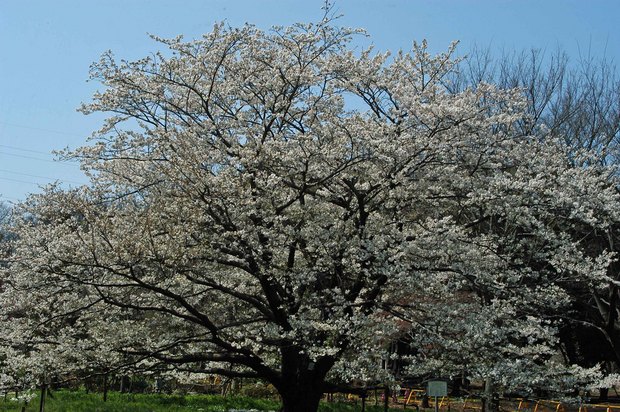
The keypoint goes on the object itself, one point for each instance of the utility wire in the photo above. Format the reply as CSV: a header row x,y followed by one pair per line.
x,y
32,183
6,146
10,200
40,177
41,129
20,181
58,162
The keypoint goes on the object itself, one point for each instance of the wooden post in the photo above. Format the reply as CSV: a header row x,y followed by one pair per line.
x,y
386,399
42,400
105,387
426,401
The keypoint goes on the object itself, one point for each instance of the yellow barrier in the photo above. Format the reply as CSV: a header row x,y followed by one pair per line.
x,y
413,396
444,401
413,393
352,397
607,407
557,406
543,404
540,405
472,400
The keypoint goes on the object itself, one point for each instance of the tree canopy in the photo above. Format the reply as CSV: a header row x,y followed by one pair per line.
x,y
280,205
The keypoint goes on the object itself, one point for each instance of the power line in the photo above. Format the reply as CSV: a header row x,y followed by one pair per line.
x,y
58,162
24,150
10,199
33,183
40,177
20,181
41,129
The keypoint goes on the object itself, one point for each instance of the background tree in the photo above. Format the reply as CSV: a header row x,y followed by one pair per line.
x,y
276,205
578,102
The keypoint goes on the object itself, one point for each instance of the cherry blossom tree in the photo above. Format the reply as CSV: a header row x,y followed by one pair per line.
x,y
280,205
578,102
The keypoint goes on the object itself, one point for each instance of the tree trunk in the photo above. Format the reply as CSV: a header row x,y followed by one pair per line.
x,y
490,403
302,383
301,401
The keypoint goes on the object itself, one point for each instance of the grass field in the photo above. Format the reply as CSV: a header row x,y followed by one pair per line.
x,y
79,401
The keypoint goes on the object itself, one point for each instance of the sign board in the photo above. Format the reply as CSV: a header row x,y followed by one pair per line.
x,y
437,388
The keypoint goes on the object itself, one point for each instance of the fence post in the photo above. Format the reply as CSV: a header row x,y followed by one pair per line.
x,y
386,399
42,400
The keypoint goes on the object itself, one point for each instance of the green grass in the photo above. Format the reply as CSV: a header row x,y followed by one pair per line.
x,y
79,401
69,401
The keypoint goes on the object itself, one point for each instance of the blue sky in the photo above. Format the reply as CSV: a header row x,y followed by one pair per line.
x,y
47,46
